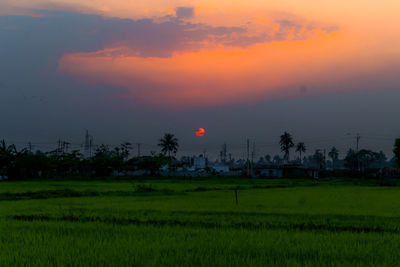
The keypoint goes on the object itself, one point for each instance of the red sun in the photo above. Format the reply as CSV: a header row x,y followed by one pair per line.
x,y
200,132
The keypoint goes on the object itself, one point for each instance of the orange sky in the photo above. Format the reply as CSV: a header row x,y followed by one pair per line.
x,y
349,40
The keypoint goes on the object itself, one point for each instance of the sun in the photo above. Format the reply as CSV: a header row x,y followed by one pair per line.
x,y
200,132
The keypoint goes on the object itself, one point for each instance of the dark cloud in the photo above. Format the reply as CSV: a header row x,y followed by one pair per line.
x,y
57,32
147,38
184,12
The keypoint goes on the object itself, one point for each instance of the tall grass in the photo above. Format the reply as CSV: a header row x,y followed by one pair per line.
x,y
197,223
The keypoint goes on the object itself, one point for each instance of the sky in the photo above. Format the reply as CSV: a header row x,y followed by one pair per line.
x,y
133,70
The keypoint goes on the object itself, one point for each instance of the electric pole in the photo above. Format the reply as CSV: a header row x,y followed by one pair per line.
x,y
253,153
358,160
90,147
58,146
248,149
88,144
138,149
223,153
65,147
248,157
358,141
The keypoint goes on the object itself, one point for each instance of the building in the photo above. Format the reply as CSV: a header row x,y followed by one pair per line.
x,y
199,162
286,171
220,167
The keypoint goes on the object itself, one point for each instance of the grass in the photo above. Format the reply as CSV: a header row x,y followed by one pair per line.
x,y
160,222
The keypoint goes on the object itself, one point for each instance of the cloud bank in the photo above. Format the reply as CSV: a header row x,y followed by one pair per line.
x,y
172,61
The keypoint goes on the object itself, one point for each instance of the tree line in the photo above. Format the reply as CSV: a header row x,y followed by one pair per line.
x,y
106,161
360,161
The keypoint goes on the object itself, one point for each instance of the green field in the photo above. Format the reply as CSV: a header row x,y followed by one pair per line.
x,y
173,222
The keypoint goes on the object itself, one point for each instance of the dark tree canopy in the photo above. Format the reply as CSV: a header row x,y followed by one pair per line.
x,y
169,144
301,148
396,151
334,155
286,143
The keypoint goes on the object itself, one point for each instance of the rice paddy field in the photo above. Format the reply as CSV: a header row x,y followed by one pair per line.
x,y
175,222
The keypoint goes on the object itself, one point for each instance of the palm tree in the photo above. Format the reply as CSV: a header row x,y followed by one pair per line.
x,y
286,144
168,144
301,148
333,154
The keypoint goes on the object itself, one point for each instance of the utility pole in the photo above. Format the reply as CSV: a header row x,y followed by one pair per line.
x,y
248,149
138,149
65,147
223,153
358,137
90,147
358,141
253,153
248,157
30,147
58,146
88,144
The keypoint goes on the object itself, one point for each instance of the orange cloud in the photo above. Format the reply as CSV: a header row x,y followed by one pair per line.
x,y
211,76
217,53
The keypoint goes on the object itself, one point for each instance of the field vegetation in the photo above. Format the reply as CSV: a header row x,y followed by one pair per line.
x,y
169,222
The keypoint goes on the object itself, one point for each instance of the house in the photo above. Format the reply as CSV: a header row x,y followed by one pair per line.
x,y
220,167
287,171
270,172
199,162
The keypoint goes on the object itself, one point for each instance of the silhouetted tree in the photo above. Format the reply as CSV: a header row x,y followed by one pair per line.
x,y
277,160
367,159
124,150
105,161
396,151
362,160
169,144
382,160
286,143
7,156
153,163
334,155
32,165
301,148
268,159
351,161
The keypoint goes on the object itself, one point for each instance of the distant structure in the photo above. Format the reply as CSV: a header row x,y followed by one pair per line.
x,y
223,153
88,144
199,163
62,147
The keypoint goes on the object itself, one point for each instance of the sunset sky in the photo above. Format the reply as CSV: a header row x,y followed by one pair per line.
x,y
132,70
